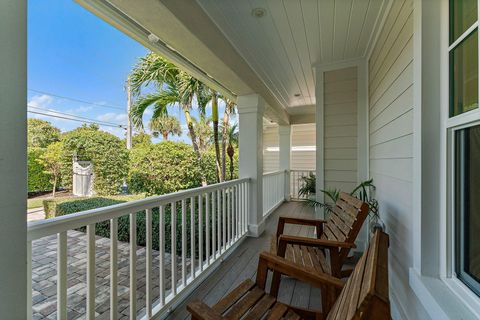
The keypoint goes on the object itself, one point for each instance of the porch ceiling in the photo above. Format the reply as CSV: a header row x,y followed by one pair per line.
x,y
222,43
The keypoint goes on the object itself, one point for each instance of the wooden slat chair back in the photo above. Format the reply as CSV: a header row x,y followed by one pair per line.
x,y
345,221
363,296
337,234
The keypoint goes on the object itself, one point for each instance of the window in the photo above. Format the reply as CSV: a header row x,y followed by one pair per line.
x,y
467,203
464,125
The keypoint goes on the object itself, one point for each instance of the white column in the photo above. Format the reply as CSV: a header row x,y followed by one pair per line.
x,y
13,159
284,139
320,127
250,109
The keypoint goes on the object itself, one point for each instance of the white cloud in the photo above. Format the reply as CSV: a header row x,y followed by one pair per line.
x,y
80,109
40,101
112,116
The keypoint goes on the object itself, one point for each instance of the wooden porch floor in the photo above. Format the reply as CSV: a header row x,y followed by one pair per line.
x,y
242,264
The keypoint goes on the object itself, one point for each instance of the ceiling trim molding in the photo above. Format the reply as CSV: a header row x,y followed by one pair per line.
x,y
379,23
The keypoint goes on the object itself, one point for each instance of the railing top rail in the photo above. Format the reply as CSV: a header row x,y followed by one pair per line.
x,y
273,173
43,228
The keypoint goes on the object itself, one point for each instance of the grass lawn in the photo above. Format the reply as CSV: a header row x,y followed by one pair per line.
x,y
38,202
35,203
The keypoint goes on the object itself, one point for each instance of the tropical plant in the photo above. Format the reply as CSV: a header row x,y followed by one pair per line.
x,y
51,160
174,88
232,138
165,125
41,133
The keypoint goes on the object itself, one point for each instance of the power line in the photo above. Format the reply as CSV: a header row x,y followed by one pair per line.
x,y
78,100
84,120
74,116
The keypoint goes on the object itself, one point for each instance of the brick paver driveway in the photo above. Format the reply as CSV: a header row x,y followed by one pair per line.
x,y
44,277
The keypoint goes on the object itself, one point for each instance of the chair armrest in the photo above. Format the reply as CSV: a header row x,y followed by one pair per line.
x,y
201,311
317,223
280,265
312,242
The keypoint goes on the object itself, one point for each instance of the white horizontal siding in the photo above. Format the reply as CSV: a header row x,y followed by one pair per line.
x,y
390,73
340,128
270,149
303,135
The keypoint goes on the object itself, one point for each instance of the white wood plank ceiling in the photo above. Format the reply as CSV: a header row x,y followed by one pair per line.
x,y
293,36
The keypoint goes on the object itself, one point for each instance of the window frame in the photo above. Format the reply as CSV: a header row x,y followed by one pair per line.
x,y
452,125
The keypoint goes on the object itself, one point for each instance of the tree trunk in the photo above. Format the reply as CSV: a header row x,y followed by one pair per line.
x,y
220,175
54,186
226,118
231,168
165,136
193,136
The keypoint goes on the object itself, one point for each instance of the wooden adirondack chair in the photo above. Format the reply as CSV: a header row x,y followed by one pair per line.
x,y
363,296
336,235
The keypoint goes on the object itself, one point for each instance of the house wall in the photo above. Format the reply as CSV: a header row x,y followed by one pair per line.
x,y
340,130
270,149
390,92
303,147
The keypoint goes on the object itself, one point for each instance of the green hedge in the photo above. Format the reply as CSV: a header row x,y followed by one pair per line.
x,y
64,207
38,180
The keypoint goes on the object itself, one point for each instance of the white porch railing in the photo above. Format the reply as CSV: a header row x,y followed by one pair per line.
x,y
296,182
218,222
273,190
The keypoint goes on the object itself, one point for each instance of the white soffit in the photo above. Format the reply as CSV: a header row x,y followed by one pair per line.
x,y
294,35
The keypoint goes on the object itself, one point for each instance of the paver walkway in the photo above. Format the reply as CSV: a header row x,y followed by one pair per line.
x,y
44,277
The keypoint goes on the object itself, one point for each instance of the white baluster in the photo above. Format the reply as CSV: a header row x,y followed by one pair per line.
x,y
133,266
148,262
161,254
91,271
200,231
207,227
113,269
219,221
184,243
214,225
192,237
173,250
229,213
224,219
62,275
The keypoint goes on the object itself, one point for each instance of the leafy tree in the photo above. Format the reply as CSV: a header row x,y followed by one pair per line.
x,y
51,160
107,152
176,88
165,125
163,168
140,139
41,133
38,180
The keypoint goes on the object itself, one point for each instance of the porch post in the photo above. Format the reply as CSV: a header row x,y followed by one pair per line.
x,y
13,159
284,138
250,109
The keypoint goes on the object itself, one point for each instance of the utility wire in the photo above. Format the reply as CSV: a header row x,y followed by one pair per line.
x,y
74,118
72,115
78,100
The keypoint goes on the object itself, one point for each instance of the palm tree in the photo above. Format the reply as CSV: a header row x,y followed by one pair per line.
x,y
204,132
229,109
165,125
175,88
232,137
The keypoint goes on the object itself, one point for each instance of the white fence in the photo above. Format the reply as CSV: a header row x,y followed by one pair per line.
x,y
273,190
296,182
218,221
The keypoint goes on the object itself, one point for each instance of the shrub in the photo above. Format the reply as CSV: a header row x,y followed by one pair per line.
x,y
57,207
38,180
163,168
107,153
41,133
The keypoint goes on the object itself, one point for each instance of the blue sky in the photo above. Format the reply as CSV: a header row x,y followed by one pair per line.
x,y
72,53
